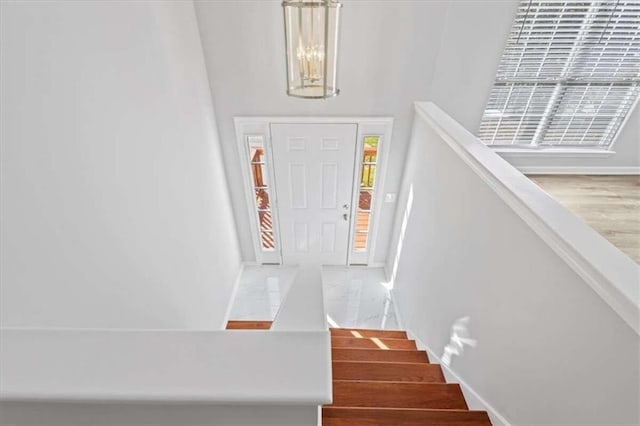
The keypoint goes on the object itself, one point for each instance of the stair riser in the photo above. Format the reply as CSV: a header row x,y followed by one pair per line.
x,y
391,372
381,334
342,354
332,416
371,343
398,395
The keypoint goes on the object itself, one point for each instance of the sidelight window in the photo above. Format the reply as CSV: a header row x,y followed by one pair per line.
x,y
368,166
261,192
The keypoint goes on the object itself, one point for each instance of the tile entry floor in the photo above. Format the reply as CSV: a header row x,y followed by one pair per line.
x,y
355,297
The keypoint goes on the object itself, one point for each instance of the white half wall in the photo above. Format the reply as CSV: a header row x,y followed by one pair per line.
x,y
552,307
115,209
173,377
73,414
390,54
244,367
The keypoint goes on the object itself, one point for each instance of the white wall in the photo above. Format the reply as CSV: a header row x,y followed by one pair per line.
x,y
550,350
115,211
391,53
468,58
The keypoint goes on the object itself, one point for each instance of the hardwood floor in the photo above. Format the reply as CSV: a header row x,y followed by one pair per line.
x,y
609,204
248,325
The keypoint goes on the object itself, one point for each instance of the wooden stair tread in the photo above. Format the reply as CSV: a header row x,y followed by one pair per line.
x,y
351,354
387,371
248,325
372,343
365,332
397,395
354,416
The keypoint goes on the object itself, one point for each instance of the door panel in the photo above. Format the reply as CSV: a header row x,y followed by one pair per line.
x,y
313,166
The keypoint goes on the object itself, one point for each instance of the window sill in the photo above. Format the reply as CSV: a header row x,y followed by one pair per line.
x,y
554,152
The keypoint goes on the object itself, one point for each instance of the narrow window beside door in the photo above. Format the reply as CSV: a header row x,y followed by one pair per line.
x,y
367,184
261,190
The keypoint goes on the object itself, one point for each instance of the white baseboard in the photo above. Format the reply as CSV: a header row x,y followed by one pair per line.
x,y
394,300
473,398
234,292
387,275
578,170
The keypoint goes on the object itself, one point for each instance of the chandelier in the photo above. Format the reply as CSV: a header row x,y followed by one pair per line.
x,y
311,38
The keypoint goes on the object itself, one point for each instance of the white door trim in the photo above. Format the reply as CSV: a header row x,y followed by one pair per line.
x,y
260,126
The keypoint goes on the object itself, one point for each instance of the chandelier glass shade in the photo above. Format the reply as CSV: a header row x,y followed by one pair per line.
x,y
311,38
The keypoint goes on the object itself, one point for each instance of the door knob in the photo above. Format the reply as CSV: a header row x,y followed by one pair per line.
x,y
345,216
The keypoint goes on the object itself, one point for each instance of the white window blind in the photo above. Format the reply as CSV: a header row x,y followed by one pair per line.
x,y
569,75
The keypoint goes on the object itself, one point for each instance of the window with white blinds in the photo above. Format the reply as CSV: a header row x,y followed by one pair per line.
x,y
569,75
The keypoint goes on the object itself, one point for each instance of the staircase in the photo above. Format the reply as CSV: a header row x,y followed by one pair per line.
x,y
380,378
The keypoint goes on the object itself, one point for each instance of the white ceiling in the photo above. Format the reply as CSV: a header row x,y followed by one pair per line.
x,y
392,53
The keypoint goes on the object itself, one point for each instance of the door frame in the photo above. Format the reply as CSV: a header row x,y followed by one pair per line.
x,y
382,127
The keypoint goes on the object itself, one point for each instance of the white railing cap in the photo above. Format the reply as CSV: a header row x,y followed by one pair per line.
x,y
303,306
215,367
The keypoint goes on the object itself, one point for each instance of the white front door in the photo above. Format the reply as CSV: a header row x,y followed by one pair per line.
x,y
314,169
